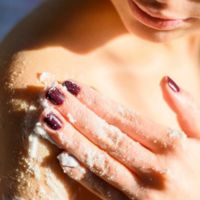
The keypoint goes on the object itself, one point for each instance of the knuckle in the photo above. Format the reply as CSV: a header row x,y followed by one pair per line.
x,y
173,141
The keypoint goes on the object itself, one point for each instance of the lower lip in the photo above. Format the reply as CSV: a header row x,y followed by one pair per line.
x,y
152,22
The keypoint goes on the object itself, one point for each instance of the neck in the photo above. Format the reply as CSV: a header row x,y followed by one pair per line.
x,y
104,25
85,26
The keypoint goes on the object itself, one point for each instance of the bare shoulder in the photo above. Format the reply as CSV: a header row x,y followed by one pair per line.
x,y
20,89
19,92
42,42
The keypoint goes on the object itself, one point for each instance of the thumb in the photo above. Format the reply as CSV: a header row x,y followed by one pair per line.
x,y
185,107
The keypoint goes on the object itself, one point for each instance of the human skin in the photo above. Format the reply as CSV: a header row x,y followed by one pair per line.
x,y
112,60
154,162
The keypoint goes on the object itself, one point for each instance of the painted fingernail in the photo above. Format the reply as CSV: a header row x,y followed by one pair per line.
x,y
173,86
55,96
53,121
72,87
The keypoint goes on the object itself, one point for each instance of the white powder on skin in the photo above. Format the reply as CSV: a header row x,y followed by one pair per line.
x,y
36,172
71,166
44,103
31,168
90,158
101,161
34,135
97,162
42,192
47,79
57,190
67,160
175,133
39,131
33,146
32,108
115,136
71,118
33,139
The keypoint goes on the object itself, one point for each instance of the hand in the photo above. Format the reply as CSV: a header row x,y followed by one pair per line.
x,y
118,154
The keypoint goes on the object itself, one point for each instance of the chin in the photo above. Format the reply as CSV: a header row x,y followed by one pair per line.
x,y
150,34
156,36
162,37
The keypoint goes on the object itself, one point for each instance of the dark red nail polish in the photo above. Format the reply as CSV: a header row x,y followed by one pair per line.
x,y
53,121
55,96
72,87
174,87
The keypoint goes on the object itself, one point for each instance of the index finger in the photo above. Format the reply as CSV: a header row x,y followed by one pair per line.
x,y
150,134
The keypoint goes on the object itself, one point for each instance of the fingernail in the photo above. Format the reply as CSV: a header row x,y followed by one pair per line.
x,y
55,96
53,121
173,86
72,87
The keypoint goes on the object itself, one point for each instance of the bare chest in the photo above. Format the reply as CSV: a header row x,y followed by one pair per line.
x,y
137,89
